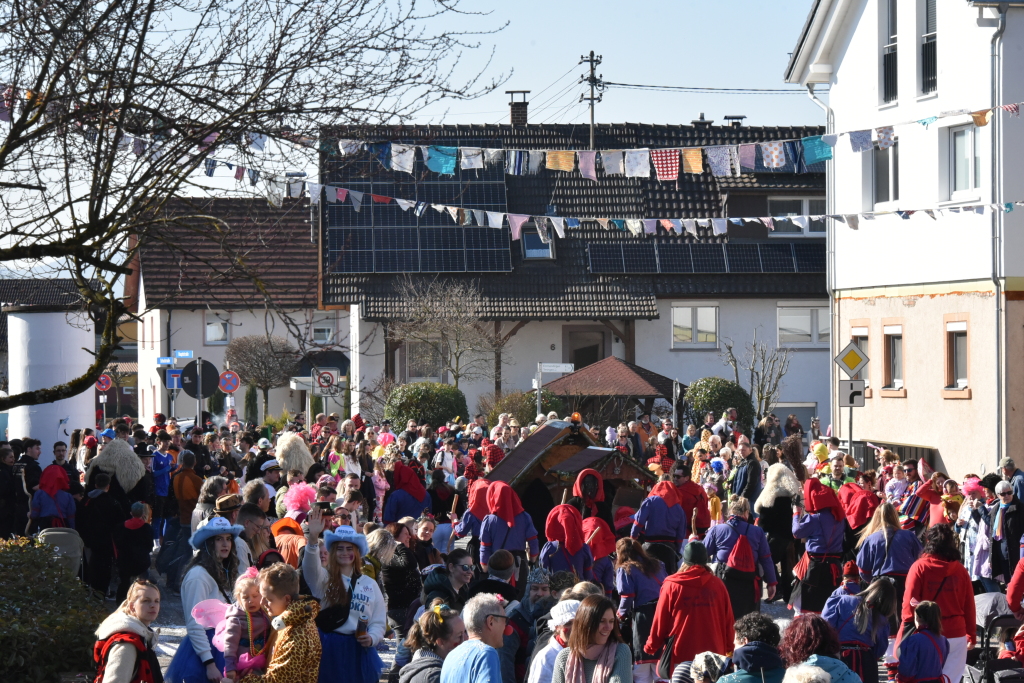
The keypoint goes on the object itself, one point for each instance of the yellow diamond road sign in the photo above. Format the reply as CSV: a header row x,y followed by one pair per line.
x,y
851,359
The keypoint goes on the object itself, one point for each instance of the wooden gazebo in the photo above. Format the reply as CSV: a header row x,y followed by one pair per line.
x,y
614,381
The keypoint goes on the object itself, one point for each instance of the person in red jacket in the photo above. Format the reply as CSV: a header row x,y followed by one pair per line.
x,y
692,496
1015,590
694,610
938,576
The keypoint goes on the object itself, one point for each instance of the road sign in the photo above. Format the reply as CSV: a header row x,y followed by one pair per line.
x,y
326,381
556,367
104,383
190,379
851,393
229,381
103,398
164,360
851,359
172,378
182,354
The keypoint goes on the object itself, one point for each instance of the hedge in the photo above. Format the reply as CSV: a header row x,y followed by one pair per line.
x,y
715,395
47,616
430,402
523,406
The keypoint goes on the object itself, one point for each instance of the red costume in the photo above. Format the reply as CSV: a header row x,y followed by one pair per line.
x,y
858,504
692,495
589,504
947,584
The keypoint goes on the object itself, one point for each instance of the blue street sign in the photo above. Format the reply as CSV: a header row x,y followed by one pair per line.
x,y
182,354
164,360
174,378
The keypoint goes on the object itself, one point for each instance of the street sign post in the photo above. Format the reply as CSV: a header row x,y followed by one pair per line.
x,y
164,360
326,381
172,378
104,383
851,392
550,367
229,382
103,402
178,353
199,384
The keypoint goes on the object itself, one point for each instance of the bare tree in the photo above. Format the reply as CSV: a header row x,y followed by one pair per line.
x,y
119,380
108,109
442,329
765,366
265,362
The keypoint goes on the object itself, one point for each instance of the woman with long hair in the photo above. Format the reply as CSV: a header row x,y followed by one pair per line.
x,y
74,446
210,575
862,621
791,455
810,640
939,577
638,578
401,577
332,454
774,507
438,631
352,609
348,431
793,426
886,549
595,646
440,494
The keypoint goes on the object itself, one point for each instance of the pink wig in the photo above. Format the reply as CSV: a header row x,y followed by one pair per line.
x,y
972,486
300,497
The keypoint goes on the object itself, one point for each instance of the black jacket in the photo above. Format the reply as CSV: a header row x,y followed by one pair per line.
x,y
423,670
1013,528
133,549
401,579
437,585
100,521
32,474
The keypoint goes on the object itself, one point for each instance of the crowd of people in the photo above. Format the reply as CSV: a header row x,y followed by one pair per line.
x,y
296,556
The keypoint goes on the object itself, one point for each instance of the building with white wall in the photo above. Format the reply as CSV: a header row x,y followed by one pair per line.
x,y
663,301
226,268
933,298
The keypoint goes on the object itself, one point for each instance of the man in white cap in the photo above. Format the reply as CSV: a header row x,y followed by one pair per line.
x,y
543,664
271,476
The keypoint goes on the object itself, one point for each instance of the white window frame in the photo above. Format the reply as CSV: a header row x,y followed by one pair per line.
x,y
954,328
894,181
817,309
890,331
325,326
418,378
224,318
974,170
693,306
532,228
805,210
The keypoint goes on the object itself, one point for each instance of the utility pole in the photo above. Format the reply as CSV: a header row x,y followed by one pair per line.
x,y
595,84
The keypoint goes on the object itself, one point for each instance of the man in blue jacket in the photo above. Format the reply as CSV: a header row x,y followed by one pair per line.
x,y
747,482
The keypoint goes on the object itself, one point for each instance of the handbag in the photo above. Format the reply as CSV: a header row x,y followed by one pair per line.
x,y
334,617
665,661
909,628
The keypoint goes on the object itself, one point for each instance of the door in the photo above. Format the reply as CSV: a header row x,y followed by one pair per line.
x,y
586,348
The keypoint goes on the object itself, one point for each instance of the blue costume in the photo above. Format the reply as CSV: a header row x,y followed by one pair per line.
x,y
660,523
722,537
555,559
469,525
821,531
402,504
604,574
495,534
859,651
922,656
875,560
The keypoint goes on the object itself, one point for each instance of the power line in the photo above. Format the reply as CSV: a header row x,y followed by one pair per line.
x,y
695,89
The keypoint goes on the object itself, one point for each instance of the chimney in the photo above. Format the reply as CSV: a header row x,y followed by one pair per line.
x,y
736,120
518,110
701,122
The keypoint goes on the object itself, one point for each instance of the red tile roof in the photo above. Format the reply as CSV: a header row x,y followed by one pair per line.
x,y
228,252
612,377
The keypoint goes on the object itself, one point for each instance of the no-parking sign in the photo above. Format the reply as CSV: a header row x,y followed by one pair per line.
x,y
229,382
104,383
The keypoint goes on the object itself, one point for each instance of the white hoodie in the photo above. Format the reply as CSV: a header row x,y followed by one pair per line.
x,y
122,657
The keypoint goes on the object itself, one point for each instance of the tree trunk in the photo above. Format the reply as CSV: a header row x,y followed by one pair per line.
x,y
266,404
497,360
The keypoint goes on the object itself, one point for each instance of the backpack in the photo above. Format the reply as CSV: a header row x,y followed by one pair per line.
x,y
147,667
741,557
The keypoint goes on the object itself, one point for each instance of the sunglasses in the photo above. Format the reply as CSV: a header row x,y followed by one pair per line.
x,y
908,471
465,567
1006,493
677,476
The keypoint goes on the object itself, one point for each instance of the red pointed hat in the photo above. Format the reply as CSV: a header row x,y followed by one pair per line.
x,y
406,480
565,525
603,542
478,498
503,502
858,504
818,497
667,492
624,516
577,487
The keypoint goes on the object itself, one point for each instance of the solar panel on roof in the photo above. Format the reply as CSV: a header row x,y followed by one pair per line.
x,y
349,261
777,258
605,258
443,261
675,258
396,261
810,258
639,257
743,258
708,258
488,260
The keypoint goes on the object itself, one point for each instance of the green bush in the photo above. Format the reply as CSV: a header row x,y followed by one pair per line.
x,y
215,404
715,395
316,406
47,616
251,405
522,405
432,402
279,422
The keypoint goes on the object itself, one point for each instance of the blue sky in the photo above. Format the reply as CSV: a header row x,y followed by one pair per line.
x,y
719,43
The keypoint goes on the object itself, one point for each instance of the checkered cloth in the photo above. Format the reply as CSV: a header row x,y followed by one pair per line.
x,y
666,164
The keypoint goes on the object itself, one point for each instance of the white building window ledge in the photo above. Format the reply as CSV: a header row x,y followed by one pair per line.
x,y
887,206
886,106
928,96
965,197
695,347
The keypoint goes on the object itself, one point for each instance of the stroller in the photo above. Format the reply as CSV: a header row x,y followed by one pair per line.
x,y
991,614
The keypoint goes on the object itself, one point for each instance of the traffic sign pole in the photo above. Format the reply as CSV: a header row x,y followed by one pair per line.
x,y
199,394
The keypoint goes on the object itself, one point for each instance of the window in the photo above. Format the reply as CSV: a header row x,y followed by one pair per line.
x,y
929,64
887,173
964,162
780,207
889,71
217,327
323,335
860,338
423,361
694,326
152,337
535,248
893,356
956,355
804,326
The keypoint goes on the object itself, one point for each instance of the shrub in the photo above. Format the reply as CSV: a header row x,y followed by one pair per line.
x,y
316,406
521,404
279,422
432,402
216,402
251,405
715,395
47,616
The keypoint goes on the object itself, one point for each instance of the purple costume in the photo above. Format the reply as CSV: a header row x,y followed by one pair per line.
x,y
660,523
824,535
636,588
722,537
469,525
496,534
920,658
874,561
604,574
839,611
554,559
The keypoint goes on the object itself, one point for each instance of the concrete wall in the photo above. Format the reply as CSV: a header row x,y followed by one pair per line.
x,y
544,341
187,331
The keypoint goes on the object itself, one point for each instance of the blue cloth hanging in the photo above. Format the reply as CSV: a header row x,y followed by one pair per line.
x,y
442,159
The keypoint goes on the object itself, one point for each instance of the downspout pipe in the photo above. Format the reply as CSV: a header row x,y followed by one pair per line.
x,y
997,223
830,251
